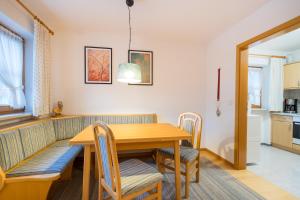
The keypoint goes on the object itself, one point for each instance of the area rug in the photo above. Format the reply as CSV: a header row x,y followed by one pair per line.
x,y
215,184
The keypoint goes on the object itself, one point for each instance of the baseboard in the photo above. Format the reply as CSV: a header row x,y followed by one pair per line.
x,y
265,144
218,157
286,148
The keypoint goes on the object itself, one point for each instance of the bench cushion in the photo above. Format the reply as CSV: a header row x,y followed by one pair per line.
x,y
11,151
66,128
137,175
61,143
186,153
36,137
52,160
121,119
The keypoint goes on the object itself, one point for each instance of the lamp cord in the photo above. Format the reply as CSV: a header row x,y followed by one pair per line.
x,y
129,13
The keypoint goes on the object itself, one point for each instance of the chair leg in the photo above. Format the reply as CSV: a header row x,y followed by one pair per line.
x,y
198,171
96,168
187,180
160,162
159,190
157,159
100,192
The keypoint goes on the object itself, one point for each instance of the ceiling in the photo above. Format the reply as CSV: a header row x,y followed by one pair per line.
x,y
286,43
199,20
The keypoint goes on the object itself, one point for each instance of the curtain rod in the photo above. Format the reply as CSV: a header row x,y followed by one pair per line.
x,y
34,16
270,56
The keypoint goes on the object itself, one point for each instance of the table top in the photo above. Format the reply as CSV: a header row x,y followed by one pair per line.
x,y
131,133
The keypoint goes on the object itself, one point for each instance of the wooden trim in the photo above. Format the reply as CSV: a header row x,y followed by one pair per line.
x,y
34,16
240,146
217,156
23,124
44,177
12,111
269,56
281,29
291,63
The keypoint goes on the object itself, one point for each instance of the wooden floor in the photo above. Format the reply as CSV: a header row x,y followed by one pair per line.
x,y
254,182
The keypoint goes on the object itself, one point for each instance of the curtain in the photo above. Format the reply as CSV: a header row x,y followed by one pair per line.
x,y
276,84
11,70
255,85
41,70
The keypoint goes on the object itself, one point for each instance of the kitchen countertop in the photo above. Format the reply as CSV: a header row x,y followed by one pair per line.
x,y
286,114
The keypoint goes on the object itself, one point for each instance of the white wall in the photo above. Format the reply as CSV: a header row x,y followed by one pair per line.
x,y
219,131
294,56
179,72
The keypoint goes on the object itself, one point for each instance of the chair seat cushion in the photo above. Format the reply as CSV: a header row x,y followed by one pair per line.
x,y
53,159
136,175
187,154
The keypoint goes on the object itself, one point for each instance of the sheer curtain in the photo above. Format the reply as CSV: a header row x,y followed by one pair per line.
x,y
276,84
255,85
41,70
11,70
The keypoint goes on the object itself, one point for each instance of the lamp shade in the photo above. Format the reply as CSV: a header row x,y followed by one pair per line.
x,y
129,73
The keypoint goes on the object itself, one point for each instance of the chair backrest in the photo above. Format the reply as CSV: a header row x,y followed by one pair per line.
x,y
191,123
107,159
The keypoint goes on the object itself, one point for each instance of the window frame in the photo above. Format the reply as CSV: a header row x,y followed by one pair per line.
x,y
256,106
6,109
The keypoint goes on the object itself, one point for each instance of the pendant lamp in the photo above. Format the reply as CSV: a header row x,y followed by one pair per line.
x,y
129,72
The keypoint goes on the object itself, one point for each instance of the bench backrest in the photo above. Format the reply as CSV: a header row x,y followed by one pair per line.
x,y
67,127
11,149
37,137
22,141
121,119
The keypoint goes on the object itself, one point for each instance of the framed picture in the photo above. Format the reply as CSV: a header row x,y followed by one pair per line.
x,y
98,65
145,60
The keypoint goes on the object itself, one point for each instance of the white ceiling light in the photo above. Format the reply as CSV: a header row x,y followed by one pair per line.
x,y
129,72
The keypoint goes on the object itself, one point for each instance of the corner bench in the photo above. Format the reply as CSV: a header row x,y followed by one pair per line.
x,y
35,154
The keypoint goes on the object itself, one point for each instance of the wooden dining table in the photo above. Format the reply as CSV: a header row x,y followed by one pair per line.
x,y
133,137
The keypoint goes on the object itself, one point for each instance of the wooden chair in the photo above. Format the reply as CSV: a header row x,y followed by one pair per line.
x,y
189,150
128,180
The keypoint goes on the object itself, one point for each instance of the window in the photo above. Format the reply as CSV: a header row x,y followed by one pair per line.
x,y
12,97
255,86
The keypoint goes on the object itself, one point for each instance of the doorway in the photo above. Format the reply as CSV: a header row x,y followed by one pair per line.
x,y
240,154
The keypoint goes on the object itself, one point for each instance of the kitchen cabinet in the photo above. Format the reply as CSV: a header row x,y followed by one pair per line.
x,y
292,76
296,147
282,131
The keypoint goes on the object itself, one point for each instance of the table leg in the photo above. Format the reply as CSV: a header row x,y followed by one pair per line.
x,y
86,172
177,169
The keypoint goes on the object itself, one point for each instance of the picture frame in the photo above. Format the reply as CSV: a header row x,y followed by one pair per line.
x,y
98,65
145,60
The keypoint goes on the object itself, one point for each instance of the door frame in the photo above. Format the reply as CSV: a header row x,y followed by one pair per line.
x,y
241,94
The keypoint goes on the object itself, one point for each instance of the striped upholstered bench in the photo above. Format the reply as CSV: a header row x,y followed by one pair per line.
x,y
34,155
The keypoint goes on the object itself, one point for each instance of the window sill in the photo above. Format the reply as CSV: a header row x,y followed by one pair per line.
x,y
13,116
